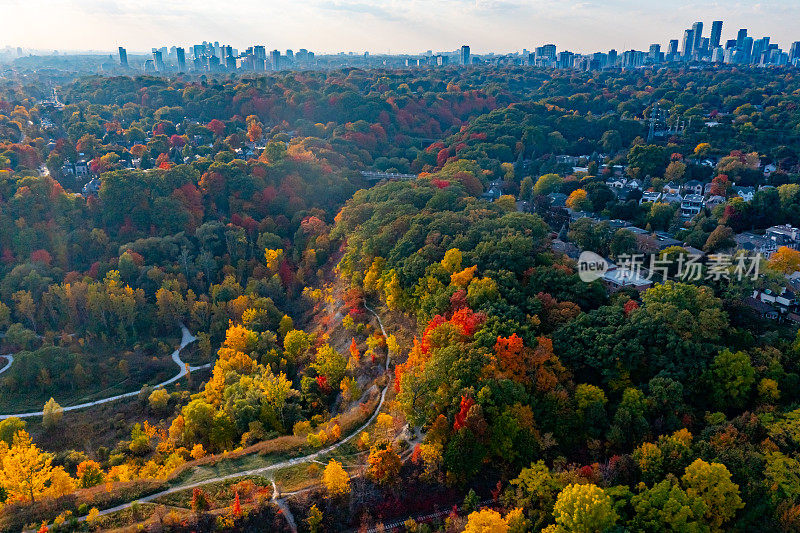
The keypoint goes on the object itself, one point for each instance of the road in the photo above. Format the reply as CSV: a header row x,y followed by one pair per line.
x,y
187,338
277,466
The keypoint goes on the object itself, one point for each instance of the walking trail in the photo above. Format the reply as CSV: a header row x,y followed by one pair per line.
x,y
186,339
277,466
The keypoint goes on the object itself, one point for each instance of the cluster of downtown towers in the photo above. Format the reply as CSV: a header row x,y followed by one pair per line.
x,y
693,48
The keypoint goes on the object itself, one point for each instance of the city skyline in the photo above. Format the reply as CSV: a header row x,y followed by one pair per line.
x,y
409,27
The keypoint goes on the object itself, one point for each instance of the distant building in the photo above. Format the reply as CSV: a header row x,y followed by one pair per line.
x,y
794,51
158,59
123,57
697,34
672,51
181,54
464,55
688,44
275,57
740,37
716,34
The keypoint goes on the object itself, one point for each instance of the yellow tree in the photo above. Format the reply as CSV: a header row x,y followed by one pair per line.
x,y
584,509
26,469
486,521
785,260
578,200
336,480
711,482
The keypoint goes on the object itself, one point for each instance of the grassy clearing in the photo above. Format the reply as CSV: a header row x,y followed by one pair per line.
x,y
221,493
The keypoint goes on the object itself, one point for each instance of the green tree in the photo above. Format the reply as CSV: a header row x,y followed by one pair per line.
x,y
666,507
732,377
547,183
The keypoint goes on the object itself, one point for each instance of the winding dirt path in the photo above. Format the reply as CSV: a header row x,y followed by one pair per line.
x,y
186,339
277,466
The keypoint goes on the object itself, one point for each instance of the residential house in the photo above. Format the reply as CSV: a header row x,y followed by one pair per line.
x,y
769,169
785,235
671,188
692,187
617,170
557,199
637,231
616,224
669,198
665,240
616,183
617,279
635,184
92,188
754,244
567,159
762,309
81,168
650,196
691,205
745,193
785,301
714,200
495,191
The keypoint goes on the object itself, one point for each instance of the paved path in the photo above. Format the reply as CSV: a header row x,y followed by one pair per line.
x,y
9,359
187,339
277,466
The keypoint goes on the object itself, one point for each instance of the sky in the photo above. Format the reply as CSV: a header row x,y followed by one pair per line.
x,y
380,26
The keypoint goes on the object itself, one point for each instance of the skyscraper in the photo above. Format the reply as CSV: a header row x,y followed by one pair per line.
x,y
740,37
275,55
123,57
697,32
181,53
672,51
612,58
655,53
158,58
794,51
716,34
464,55
747,49
688,43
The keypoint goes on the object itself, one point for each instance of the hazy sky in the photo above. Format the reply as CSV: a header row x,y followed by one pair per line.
x,y
381,26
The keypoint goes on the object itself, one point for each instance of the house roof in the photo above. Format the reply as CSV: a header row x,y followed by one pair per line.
x,y
758,305
692,198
